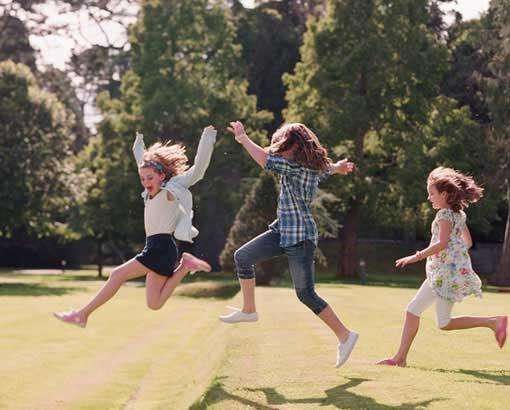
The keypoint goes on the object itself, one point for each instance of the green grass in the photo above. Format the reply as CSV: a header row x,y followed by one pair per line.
x,y
132,358
286,359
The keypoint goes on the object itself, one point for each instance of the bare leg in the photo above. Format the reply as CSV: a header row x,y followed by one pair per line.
x,y
329,317
159,288
469,322
411,326
129,270
248,288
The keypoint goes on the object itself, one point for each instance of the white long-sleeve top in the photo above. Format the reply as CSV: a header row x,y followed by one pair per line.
x,y
179,185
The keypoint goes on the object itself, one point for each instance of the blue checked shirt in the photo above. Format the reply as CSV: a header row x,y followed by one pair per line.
x,y
298,187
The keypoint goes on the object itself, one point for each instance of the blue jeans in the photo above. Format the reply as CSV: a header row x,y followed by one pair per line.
x,y
301,265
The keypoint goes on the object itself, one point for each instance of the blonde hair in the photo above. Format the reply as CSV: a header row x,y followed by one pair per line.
x,y
168,159
309,152
461,190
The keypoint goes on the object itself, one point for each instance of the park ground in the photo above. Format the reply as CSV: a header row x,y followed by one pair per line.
x,y
182,357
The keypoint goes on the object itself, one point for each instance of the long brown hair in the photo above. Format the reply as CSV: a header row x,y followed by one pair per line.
x,y
308,151
461,190
169,159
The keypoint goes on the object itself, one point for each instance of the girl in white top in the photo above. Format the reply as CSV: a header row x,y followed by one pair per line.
x,y
168,213
450,276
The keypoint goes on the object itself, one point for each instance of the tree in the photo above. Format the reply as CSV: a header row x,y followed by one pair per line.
x,y
36,168
187,62
468,63
270,35
57,82
365,67
14,41
112,214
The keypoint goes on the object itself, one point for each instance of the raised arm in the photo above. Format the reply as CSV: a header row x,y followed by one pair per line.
x,y
202,159
138,148
258,153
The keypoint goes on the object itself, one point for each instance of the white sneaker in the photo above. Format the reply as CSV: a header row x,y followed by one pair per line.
x,y
239,316
345,348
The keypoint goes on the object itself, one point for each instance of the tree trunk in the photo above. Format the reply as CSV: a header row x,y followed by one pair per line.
x,y
348,252
502,276
100,258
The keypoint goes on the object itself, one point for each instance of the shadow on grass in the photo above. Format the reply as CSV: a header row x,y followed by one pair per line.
x,y
501,377
209,290
34,289
338,397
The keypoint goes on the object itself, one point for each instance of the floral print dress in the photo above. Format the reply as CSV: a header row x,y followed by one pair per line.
x,y
449,272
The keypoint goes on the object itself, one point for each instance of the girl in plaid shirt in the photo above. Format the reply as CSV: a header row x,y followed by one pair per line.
x,y
296,155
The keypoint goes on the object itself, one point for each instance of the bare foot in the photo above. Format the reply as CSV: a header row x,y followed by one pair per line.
x,y
500,332
72,317
194,264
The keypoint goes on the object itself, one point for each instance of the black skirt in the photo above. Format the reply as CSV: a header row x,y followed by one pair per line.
x,y
160,254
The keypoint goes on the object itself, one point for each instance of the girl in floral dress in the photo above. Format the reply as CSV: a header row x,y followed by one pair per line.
x,y
450,276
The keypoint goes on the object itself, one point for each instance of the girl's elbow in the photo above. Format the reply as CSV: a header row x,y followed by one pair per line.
x,y
443,245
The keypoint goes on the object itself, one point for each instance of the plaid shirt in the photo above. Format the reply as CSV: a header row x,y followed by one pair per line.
x,y
298,187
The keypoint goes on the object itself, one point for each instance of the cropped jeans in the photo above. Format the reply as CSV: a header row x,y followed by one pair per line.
x,y
301,264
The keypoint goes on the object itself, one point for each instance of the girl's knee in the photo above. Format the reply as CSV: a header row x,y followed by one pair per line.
x,y
309,298
117,275
154,304
244,267
241,257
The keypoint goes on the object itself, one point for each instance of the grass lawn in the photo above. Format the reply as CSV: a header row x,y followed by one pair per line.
x,y
132,358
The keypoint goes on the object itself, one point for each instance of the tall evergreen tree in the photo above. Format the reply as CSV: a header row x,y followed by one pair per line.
x,y
365,67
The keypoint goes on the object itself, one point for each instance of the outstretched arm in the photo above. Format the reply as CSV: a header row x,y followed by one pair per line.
x,y
445,229
202,159
258,153
138,148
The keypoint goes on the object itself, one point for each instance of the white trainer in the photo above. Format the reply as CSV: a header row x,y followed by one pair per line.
x,y
239,316
345,348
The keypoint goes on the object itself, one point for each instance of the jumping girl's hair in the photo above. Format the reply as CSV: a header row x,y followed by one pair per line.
x,y
461,190
308,152
165,159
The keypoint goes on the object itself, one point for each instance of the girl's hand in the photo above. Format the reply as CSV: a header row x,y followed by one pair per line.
x,y
400,263
237,128
209,132
343,167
